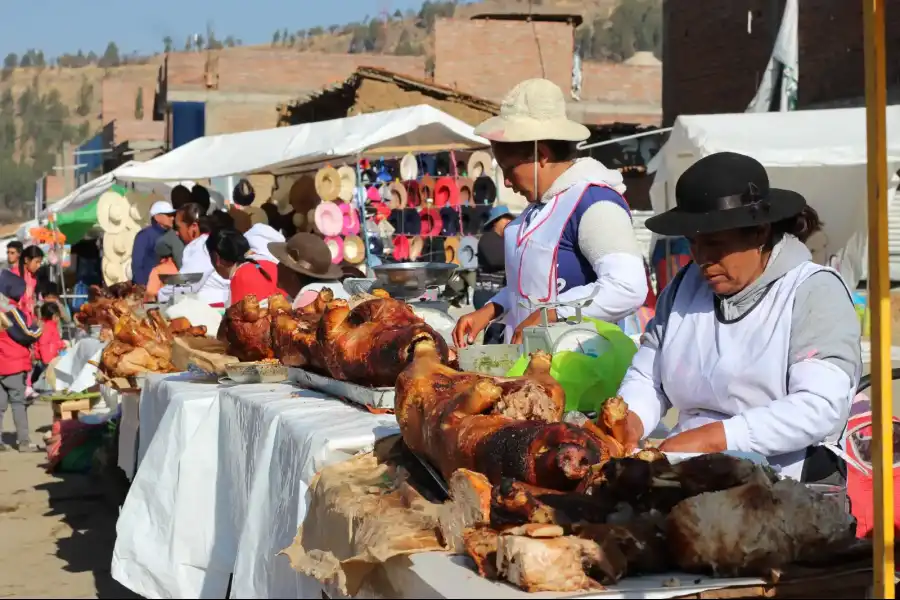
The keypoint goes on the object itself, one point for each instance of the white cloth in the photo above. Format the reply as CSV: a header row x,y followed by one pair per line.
x,y
213,288
260,236
221,486
73,372
738,373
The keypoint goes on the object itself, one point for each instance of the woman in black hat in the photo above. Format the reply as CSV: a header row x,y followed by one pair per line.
x,y
756,346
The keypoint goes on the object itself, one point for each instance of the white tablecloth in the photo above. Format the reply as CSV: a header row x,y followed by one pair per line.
x,y
221,485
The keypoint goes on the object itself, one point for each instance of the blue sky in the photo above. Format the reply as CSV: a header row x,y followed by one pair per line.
x,y
59,26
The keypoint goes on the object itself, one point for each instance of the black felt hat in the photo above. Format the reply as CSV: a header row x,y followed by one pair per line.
x,y
725,191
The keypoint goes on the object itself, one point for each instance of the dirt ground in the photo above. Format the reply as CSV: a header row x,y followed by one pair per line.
x,y
56,532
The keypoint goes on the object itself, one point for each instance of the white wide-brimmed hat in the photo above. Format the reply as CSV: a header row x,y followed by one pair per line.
x,y
114,213
534,110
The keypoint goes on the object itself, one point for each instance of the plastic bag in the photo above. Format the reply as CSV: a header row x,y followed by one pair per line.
x,y
588,381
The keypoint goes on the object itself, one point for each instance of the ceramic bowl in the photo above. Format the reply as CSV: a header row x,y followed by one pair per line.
x,y
256,372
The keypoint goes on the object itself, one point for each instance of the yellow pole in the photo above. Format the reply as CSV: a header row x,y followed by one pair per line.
x,y
879,297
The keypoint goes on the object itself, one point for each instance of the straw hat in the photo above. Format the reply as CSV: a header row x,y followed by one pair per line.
x,y
303,195
416,247
336,246
118,246
139,205
328,219
347,176
533,110
307,254
113,271
328,184
409,168
451,250
468,252
395,194
480,163
113,213
354,249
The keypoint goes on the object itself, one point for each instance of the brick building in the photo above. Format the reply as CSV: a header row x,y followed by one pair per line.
x,y
240,88
373,90
490,53
716,53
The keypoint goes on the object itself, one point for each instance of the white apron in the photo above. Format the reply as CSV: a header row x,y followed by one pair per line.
x,y
711,371
530,254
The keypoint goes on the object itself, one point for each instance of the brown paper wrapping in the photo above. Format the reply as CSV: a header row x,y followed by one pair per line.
x,y
362,514
207,353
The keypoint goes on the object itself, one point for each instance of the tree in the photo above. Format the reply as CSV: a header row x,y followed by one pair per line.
x,y
199,42
230,41
139,104
168,45
189,43
405,46
110,57
276,37
332,29
377,36
26,61
634,26
431,11
398,14
85,98
315,31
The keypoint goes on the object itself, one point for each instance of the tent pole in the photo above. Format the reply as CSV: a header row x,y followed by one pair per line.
x,y
882,409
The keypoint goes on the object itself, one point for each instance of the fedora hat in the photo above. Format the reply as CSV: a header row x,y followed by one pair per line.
x,y
354,249
336,247
401,248
484,190
432,224
446,192
351,219
118,246
498,212
347,176
113,271
468,252
416,247
725,191
328,184
413,193
303,195
409,168
246,217
480,163
426,188
533,110
451,250
113,212
395,194
328,219
465,186
451,221
307,254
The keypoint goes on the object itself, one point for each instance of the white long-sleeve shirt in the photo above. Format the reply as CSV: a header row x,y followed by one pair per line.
x,y
213,288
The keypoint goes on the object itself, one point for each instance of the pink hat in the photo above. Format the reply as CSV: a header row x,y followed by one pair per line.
x,y
336,245
329,219
373,195
351,219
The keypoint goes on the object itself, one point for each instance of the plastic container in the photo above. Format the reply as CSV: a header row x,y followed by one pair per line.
x,y
493,359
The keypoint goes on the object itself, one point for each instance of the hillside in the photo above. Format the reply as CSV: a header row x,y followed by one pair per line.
x,y
46,105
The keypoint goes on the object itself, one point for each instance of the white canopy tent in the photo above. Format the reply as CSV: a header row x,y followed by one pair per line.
x,y
302,147
818,153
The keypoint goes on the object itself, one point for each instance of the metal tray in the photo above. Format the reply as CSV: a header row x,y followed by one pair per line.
x,y
181,278
367,396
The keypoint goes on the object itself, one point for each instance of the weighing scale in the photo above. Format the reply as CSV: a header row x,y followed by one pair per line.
x,y
572,335
182,285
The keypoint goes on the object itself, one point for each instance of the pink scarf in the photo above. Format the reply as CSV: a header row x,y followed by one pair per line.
x,y
28,301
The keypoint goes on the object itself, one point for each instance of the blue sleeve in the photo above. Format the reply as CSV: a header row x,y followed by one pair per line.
x,y
140,273
592,195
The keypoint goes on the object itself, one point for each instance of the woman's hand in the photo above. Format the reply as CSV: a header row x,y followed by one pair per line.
x,y
706,439
469,326
532,320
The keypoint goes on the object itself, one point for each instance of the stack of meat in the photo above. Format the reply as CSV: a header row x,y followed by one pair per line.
x,y
106,305
368,341
141,346
554,506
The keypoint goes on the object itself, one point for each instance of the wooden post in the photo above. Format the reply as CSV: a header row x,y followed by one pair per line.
x,y
879,299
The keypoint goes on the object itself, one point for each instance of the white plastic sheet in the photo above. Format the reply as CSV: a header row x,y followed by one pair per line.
x,y
73,373
818,153
286,149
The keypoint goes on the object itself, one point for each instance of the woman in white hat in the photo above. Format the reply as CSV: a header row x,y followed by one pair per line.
x,y
575,239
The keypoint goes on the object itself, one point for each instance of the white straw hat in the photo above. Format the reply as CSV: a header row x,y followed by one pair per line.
x,y
534,110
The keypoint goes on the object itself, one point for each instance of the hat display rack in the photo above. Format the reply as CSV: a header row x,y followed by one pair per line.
x,y
425,207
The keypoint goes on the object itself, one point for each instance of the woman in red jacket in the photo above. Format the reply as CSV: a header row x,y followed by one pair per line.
x,y
50,343
15,359
229,253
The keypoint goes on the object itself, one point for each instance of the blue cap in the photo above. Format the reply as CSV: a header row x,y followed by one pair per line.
x,y
11,285
496,213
